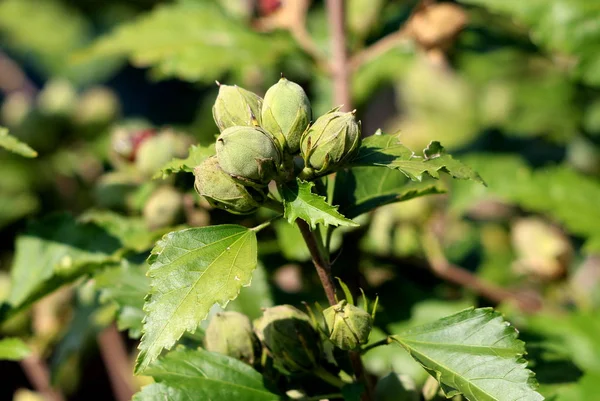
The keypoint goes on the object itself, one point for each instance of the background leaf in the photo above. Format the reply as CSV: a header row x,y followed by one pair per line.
x,y
193,41
54,251
211,266
300,202
12,144
13,349
475,353
126,285
186,374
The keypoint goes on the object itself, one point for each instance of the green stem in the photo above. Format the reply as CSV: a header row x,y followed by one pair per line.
x,y
265,224
385,341
329,377
322,397
273,205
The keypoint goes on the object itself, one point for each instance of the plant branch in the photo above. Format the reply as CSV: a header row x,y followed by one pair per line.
x,y
114,354
320,260
458,275
378,48
38,374
339,63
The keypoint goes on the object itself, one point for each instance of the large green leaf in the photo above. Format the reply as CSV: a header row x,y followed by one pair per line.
x,y
192,41
12,144
197,154
362,189
387,151
186,374
54,251
475,353
126,285
565,26
190,271
13,349
300,202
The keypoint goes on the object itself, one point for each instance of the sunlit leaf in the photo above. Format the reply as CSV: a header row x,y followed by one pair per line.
x,y
387,151
300,202
475,353
12,144
190,271
13,349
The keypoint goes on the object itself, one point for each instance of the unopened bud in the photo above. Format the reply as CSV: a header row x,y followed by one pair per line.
x,y
286,112
236,106
330,141
249,154
290,338
164,208
349,326
223,192
231,333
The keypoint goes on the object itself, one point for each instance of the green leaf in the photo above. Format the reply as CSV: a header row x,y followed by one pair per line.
x,y
186,374
126,285
362,189
54,251
15,206
475,353
300,202
45,33
252,301
194,41
197,154
13,349
131,231
12,144
564,26
190,271
387,151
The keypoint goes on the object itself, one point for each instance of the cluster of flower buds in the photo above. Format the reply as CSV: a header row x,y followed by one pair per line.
x,y
259,139
289,336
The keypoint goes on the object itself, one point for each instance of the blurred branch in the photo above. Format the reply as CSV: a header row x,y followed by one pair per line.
x,y
114,355
340,68
13,78
458,275
38,374
378,48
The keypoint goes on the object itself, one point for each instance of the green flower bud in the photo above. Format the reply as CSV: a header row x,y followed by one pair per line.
x,y
231,333
164,208
330,141
349,326
236,106
286,112
223,192
290,338
249,154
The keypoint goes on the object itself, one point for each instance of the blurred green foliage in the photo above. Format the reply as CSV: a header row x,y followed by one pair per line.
x,y
516,97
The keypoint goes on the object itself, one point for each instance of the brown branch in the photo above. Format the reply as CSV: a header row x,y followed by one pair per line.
x,y
378,48
319,260
13,79
38,374
339,63
442,268
114,355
